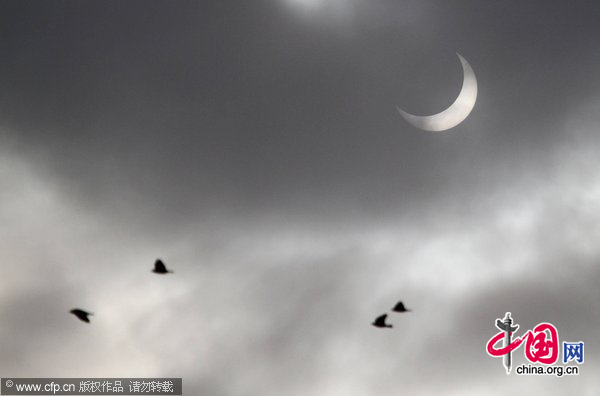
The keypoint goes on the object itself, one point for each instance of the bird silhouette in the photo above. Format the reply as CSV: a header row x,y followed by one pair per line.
x,y
81,314
159,268
380,322
400,307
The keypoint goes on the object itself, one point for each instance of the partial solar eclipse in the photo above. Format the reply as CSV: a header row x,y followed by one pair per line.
x,y
456,113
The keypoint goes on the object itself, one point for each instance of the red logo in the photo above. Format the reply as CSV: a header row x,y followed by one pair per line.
x,y
541,344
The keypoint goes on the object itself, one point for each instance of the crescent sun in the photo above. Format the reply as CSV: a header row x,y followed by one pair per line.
x,y
457,112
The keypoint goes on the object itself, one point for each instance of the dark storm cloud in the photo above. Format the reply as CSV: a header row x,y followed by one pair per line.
x,y
247,108
250,107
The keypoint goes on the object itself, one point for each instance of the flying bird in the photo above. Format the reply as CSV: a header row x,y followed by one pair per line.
x,y
81,314
159,268
380,322
400,307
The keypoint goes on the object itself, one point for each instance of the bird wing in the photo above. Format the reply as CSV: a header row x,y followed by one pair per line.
x,y
81,314
159,265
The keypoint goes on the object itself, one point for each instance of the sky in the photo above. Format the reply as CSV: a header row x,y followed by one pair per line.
x,y
256,148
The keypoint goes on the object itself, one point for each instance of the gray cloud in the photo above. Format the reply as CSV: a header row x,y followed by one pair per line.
x,y
256,148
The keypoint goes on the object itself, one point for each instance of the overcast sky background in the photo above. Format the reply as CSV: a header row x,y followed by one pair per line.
x,y
256,148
